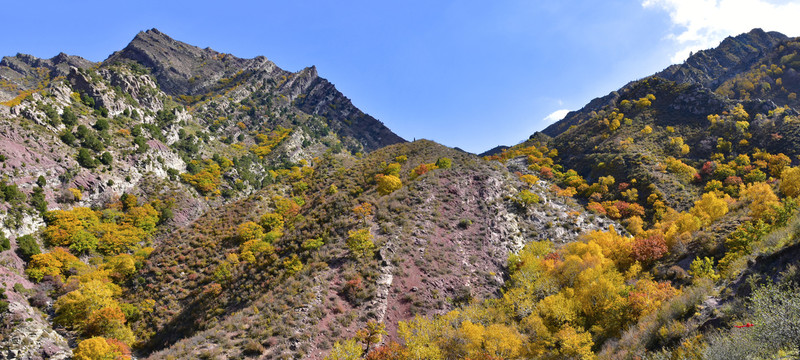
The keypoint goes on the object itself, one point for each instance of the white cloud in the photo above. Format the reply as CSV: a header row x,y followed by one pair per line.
x,y
555,116
702,24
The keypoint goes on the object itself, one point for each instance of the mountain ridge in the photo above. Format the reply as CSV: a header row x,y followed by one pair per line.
x,y
733,55
178,65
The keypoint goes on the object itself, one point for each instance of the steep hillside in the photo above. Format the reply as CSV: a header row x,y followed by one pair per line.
x,y
441,239
195,195
626,135
702,151
26,73
81,134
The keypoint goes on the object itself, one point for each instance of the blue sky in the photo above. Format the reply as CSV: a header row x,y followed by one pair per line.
x,y
471,74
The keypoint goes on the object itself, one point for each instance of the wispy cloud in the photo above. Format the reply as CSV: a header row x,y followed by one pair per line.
x,y
555,116
702,24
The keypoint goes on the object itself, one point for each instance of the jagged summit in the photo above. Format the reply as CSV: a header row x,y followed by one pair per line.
x,y
189,73
51,63
733,55
26,72
180,68
183,69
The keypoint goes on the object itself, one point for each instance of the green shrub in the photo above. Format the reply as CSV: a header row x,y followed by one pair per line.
x,y
3,302
85,158
38,200
27,247
5,244
67,137
68,118
774,312
101,124
106,158
444,163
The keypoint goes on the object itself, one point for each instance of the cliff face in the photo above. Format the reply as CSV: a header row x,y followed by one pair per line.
x,y
320,97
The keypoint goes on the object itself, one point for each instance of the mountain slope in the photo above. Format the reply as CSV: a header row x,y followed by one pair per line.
x,y
442,240
721,127
199,143
80,134
709,68
24,73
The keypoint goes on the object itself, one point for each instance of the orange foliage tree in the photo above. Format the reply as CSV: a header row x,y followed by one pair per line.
x,y
98,347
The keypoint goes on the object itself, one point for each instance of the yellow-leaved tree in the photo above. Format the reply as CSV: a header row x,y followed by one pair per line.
x,y
420,335
388,183
709,208
249,231
100,348
92,310
346,350
360,243
761,199
790,182
55,263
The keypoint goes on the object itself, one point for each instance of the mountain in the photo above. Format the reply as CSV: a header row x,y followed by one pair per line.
x,y
722,125
710,68
187,145
176,202
77,133
183,70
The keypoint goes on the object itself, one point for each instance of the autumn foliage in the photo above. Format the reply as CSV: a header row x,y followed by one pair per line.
x,y
107,231
207,180
387,184
559,304
100,348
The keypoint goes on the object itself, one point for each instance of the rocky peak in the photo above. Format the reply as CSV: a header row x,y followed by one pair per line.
x,y
707,68
26,72
181,68
57,65
733,55
320,97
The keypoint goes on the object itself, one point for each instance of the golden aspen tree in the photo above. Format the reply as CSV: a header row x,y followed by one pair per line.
x,y
761,199
360,243
388,183
96,348
790,182
709,208
249,231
